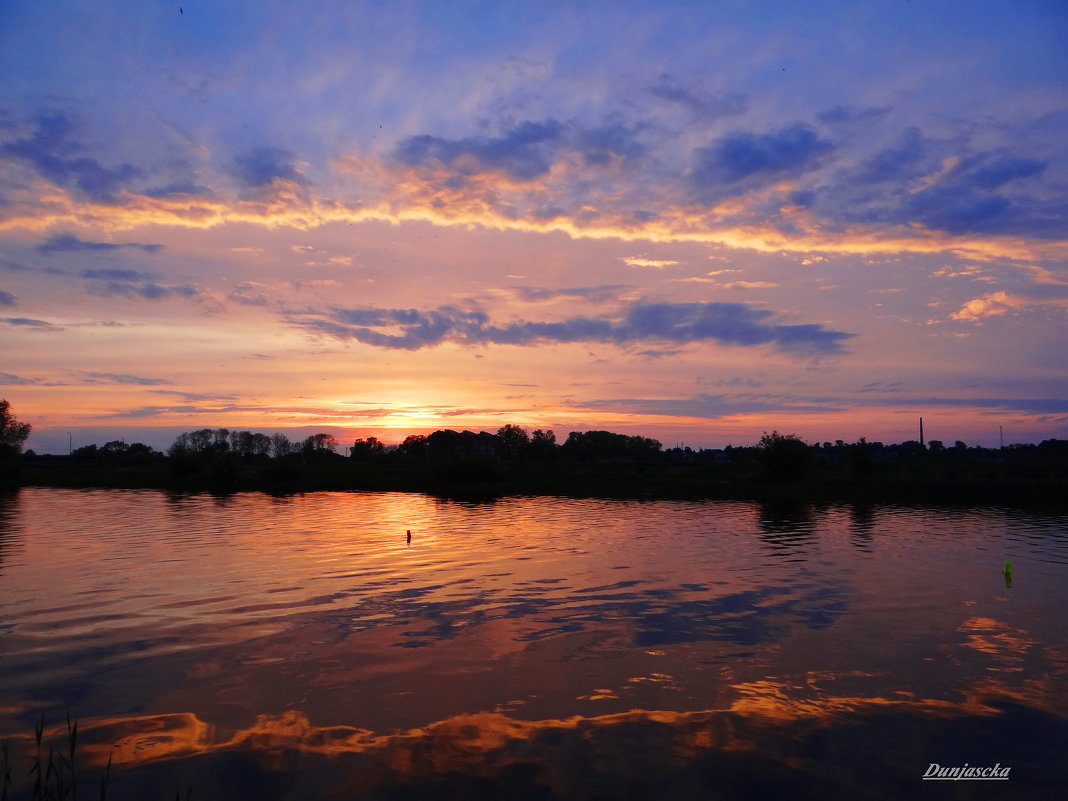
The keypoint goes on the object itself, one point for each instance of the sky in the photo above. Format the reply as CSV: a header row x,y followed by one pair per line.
x,y
690,221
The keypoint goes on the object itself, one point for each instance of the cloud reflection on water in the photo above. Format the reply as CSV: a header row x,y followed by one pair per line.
x,y
769,735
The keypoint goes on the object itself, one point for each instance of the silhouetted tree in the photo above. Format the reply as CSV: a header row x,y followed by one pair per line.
x,y
586,445
114,449
280,445
199,441
414,446
785,456
859,458
911,449
443,444
512,441
12,432
86,452
318,444
542,444
363,449
249,445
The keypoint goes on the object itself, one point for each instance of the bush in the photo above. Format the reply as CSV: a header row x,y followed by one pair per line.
x,y
785,457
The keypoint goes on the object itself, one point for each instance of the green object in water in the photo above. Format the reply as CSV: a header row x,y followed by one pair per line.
x,y
1008,567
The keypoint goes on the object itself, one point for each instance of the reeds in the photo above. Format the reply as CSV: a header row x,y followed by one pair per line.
x,y
54,778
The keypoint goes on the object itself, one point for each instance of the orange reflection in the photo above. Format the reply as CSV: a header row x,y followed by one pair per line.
x,y
463,741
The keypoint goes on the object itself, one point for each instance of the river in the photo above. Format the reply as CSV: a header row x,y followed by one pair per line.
x,y
254,647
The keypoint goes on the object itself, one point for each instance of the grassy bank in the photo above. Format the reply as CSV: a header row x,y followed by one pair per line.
x,y
901,483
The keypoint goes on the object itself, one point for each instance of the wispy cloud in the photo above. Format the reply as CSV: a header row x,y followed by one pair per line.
x,y
29,322
594,294
523,152
750,285
133,283
702,103
10,379
721,323
712,406
639,261
121,378
54,152
69,243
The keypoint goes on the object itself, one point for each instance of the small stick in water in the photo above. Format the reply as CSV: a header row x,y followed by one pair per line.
x,y
410,538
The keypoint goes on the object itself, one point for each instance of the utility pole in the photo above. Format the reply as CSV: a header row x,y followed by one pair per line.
x,y
70,443
1001,436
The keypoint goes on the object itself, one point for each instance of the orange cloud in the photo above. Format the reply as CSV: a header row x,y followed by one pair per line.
x,y
995,304
493,201
636,261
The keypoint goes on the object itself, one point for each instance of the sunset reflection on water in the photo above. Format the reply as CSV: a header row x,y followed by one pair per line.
x,y
513,641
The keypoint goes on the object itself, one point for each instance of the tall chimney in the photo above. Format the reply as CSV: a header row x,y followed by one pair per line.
x,y
921,431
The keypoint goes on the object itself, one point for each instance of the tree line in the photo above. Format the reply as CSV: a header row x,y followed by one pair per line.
x,y
779,456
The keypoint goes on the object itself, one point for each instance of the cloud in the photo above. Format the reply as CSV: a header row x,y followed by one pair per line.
x,y
996,304
111,282
637,261
179,189
703,104
55,155
159,411
602,144
109,274
794,189
840,115
522,153
194,397
1023,405
991,173
937,184
750,285
68,243
904,159
711,406
6,298
121,378
262,166
29,322
10,379
239,296
736,157
947,209
721,323
149,290
881,386
595,294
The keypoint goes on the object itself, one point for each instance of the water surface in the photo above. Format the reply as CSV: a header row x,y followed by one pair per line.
x,y
300,648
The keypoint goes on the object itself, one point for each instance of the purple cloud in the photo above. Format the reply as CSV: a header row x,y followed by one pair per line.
x,y
723,323
736,157
68,243
53,153
523,152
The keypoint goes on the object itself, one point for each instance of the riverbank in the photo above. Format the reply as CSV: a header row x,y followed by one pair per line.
x,y
485,478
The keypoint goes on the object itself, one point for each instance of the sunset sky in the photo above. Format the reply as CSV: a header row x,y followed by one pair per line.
x,y
692,221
